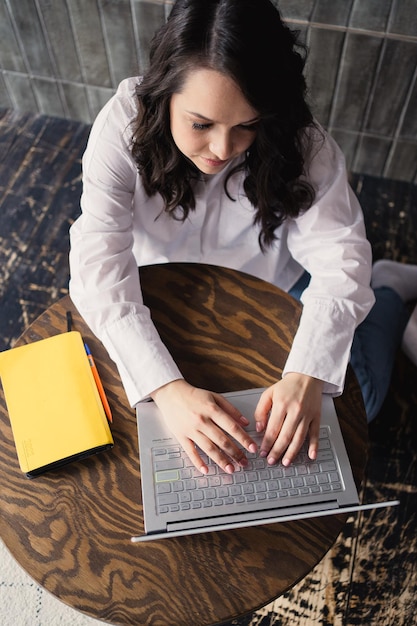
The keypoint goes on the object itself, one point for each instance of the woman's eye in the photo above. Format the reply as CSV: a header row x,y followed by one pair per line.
x,y
197,126
250,127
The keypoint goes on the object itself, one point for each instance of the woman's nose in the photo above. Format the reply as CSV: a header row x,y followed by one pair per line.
x,y
221,146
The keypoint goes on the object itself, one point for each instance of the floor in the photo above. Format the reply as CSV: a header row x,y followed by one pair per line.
x,y
370,576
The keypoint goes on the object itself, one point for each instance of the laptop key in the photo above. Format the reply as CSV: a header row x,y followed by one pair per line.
x,y
324,444
325,455
273,485
248,488
174,455
166,476
163,488
165,499
169,464
298,482
160,452
328,466
334,477
289,471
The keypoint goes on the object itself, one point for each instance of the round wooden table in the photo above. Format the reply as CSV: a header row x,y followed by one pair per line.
x,y
70,529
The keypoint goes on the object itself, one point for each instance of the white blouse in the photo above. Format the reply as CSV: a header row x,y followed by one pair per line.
x,y
121,228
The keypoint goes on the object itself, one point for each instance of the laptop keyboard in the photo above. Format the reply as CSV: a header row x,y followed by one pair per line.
x,y
180,486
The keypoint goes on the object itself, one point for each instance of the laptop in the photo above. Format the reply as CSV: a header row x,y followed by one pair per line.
x,y
179,500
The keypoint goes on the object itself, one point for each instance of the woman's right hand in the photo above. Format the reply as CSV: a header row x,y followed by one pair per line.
x,y
198,417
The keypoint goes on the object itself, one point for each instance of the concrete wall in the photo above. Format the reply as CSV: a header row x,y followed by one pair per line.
x,y
66,57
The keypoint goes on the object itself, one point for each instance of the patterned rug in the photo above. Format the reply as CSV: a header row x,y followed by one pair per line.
x,y
369,576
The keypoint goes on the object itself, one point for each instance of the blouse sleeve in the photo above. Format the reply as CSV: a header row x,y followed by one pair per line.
x,y
104,284
329,241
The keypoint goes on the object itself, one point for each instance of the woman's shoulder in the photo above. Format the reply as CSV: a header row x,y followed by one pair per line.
x,y
324,160
125,100
126,89
120,112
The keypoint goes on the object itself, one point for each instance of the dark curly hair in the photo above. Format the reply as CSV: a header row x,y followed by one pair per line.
x,y
247,41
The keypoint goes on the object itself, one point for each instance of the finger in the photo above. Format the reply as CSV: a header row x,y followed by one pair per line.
x,y
263,409
213,452
206,447
273,430
228,462
287,436
314,435
222,427
211,441
192,452
296,444
223,446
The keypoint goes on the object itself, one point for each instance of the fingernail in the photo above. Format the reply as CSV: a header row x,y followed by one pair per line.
x,y
258,427
253,447
243,420
271,460
243,462
263,453
203,469
229,468
286,462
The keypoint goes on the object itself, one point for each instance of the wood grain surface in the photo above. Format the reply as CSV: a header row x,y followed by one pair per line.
x,y
71,529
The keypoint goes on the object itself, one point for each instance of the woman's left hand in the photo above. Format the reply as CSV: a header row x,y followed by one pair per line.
x,y
289,412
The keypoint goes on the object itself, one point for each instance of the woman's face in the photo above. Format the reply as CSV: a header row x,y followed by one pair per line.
x,y
211,122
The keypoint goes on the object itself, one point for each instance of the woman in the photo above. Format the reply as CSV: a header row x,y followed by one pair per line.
x,y
213,156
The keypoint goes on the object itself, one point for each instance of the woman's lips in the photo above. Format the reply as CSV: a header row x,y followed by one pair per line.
x,y
213,162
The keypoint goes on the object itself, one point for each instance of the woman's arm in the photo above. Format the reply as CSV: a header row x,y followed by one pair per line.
x,y
104,281
329,241
105,287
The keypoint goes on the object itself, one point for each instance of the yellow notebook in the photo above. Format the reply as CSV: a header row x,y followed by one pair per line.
x,y
54,406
